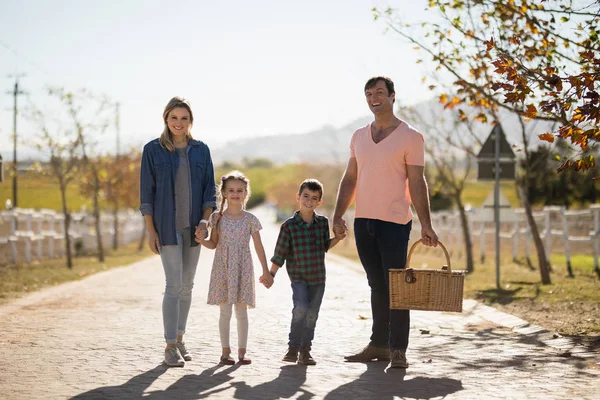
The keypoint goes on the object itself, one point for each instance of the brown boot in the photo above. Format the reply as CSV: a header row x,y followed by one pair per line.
x,y
370,353
305,358
291,355
399,359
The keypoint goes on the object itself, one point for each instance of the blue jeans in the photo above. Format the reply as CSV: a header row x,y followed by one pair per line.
x,y
307,302
383,245
179,262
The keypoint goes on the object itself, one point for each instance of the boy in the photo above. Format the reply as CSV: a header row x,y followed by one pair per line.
x,y
302,242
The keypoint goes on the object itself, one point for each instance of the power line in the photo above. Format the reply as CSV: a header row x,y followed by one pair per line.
x,y
23,57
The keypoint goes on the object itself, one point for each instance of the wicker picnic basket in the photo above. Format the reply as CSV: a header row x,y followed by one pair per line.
x,y
427,289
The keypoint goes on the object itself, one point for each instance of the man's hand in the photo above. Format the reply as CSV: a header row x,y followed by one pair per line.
x,y
339,227
429,237
153,241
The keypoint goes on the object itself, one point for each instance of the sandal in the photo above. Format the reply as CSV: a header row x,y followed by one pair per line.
x,y
244,361
227,360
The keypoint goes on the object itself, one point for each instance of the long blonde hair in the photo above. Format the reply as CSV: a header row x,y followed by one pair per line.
x,y
231,176
166,138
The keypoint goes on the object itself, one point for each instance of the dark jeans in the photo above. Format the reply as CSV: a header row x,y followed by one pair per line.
x,y
383,245
307,302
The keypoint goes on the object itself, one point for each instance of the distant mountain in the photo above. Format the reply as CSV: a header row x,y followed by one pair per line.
x,y
326,144
330,144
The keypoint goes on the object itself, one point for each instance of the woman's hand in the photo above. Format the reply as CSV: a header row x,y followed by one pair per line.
x,y
153,241
201,233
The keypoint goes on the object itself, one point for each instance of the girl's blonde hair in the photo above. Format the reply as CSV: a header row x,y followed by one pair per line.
x,y
231,176
166,138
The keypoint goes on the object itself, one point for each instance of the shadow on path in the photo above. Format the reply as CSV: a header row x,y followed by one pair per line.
x,y
381,384
289,383
187,387
132,389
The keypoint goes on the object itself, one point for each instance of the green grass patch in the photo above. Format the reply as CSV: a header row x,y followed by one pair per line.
x,y
37,191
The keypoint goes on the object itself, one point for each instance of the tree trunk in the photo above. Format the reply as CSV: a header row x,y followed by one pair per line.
x,y
67,215
535,234
115,244
464,221
143,237
97,223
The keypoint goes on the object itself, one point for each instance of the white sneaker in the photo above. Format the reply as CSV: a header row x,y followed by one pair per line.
x,y
172,358
184,351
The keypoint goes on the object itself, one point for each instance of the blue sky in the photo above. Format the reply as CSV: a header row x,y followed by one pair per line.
x,y
249,68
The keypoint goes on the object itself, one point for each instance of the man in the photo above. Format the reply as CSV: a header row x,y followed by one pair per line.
x,y
385,171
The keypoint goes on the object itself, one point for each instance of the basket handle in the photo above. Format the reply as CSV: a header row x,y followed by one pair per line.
x,y
412,248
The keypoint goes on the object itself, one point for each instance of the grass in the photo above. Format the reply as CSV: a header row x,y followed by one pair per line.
x,y
18,280
569,306
476,192
37,191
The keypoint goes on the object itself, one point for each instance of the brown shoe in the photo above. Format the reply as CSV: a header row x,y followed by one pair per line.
x,y
370,353
291,355
399,359
305,358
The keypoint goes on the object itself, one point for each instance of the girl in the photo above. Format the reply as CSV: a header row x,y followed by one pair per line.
x,y
177,192
232,276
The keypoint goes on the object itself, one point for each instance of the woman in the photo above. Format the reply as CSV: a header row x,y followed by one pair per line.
x,y
177,194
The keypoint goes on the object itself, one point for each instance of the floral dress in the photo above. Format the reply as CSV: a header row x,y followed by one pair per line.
x,y
232,275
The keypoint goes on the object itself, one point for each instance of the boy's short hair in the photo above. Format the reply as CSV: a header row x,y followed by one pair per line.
x,y
312,184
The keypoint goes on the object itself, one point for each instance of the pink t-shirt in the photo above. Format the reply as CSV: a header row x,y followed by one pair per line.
x,y
382,185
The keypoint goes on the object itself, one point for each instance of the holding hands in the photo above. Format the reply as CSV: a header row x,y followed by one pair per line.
x,y
267,280
201,233
339,228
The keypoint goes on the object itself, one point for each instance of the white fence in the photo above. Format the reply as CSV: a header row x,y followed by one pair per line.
x,y
27,234
563,231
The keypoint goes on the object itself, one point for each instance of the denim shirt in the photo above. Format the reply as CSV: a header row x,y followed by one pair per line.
x,y
157,187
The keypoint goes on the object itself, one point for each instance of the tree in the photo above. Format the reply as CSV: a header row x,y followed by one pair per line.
x,y
539,59
461,47
64,148
121,182
452,154
84,106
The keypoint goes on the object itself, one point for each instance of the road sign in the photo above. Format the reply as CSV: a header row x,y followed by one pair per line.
x,y
486,161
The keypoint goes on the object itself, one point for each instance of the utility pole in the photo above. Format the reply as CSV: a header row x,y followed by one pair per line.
x,y
118,127
116,208
16,92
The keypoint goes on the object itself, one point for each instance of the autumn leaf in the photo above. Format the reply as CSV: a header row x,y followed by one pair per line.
x,y
547,137
531,111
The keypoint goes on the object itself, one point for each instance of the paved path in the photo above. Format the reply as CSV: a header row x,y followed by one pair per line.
x,y
101,338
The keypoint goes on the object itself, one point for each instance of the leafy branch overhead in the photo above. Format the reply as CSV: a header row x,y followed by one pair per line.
x,y
539,59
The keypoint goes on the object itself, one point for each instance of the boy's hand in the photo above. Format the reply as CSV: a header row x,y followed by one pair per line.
x,y
339,235
267,280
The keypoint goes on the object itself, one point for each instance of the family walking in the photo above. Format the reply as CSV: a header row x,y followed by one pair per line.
x,y
178,198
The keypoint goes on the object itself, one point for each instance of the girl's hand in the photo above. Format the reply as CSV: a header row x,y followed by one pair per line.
x,y
153,242
267,280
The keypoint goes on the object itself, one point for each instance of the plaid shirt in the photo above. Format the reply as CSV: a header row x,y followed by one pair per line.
x,y
303,246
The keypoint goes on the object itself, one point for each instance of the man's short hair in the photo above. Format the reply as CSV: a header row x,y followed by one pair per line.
x,y
312,184
389,84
